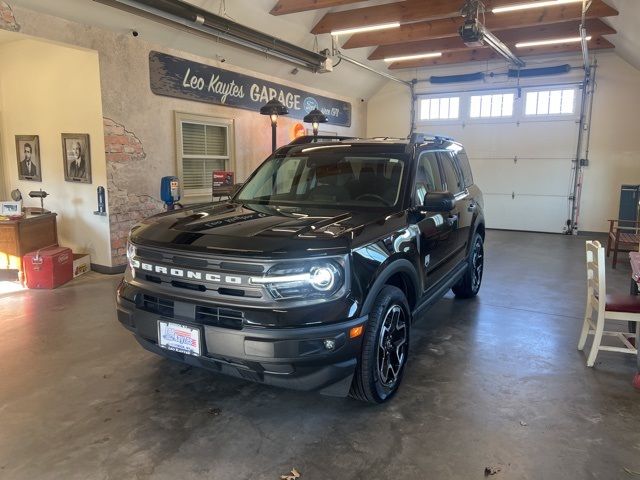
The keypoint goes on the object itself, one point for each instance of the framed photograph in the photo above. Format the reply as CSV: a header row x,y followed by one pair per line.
x,y
11,208
76,154
28,157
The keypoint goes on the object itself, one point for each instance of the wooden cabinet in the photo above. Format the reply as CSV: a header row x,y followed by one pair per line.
x,y
24,235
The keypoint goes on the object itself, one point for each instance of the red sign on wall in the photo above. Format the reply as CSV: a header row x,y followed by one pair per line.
x,y
222,182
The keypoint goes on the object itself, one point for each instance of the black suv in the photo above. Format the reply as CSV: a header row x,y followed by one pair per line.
x,y
309,277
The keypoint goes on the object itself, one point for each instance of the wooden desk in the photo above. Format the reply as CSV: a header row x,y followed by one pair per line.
x,y
24,235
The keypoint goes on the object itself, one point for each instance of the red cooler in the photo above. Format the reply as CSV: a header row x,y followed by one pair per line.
x,y
48,268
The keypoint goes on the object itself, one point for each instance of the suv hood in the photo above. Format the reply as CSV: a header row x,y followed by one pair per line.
x,y
242,229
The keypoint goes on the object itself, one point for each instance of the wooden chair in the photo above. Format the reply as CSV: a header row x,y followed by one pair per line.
x,y
624,236
607,307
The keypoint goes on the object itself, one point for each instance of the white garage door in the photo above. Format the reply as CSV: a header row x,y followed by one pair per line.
x,y
520,148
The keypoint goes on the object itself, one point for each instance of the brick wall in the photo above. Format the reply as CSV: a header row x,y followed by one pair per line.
x,y
124,153
7,19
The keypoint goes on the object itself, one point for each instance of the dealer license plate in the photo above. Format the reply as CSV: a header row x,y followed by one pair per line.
x,y
179,338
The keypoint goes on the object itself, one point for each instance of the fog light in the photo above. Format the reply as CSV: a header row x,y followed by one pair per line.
x,y
329,344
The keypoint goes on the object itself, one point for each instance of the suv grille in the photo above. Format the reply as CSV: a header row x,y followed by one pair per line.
x,y
219,317
213,316
157,305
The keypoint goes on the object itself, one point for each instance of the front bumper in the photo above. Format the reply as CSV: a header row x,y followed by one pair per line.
x,y
293,358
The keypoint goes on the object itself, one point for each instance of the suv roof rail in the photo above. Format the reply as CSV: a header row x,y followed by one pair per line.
x,y
427,137
319,138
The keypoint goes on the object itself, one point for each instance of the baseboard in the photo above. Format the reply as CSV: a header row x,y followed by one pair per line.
x,y
116,270
586,233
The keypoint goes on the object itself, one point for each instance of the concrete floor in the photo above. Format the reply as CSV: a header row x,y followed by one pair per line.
x,y
495,381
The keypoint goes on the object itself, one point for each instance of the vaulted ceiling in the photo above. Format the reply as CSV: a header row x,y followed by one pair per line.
x,y
432,27
426,25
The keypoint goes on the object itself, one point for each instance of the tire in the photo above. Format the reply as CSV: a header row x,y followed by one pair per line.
x,y
385,348
469,284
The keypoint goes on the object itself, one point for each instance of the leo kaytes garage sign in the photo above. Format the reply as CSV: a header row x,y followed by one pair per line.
x,y
176,77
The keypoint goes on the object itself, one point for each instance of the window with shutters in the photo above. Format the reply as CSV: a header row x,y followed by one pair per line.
x,y
204,145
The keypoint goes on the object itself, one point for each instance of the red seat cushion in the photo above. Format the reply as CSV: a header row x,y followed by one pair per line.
x,y
623,303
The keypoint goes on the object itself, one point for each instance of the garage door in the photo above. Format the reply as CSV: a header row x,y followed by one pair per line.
x,y
521,147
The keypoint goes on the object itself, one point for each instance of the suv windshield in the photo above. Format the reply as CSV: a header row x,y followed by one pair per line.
x,y
328,176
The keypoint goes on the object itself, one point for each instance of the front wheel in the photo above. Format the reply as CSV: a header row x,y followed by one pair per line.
x,y
469,284
385,347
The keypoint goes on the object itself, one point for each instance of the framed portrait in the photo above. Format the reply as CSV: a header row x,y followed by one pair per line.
x,y
28,157
76,155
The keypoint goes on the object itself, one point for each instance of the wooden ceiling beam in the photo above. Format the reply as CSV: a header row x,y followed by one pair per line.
x,y
284,7
485,54
595,27
448,27
404,12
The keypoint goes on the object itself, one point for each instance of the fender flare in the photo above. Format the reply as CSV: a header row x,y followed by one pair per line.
x,y
397,266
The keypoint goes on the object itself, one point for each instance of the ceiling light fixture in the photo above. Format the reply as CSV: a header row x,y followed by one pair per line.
x,y
527,6
413,57
556,41
370,28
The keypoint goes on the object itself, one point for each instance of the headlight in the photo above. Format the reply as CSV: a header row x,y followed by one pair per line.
x,y
313,280
131,253
323,278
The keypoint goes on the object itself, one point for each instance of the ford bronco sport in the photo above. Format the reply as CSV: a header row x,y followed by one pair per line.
x,y
311,275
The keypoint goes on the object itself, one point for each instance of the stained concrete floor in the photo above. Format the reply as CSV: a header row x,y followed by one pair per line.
x,y
495,381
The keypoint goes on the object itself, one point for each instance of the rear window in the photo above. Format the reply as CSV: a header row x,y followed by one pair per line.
x,y
463,161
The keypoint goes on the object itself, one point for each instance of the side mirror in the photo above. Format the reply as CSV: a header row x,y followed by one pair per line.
x,y
439,201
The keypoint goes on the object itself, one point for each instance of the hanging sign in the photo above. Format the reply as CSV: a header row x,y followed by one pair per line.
x,y
180,78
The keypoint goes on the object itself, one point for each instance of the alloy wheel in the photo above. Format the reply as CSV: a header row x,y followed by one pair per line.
x,y
477,263
392,346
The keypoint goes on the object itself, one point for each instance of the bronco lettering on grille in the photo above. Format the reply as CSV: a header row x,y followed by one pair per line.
x,y
188,274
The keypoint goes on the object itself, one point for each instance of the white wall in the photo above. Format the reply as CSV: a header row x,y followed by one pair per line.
x,y
46,90
615,141
389,111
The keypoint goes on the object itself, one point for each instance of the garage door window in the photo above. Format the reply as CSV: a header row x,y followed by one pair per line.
x,y
446,108
491,106
203,147
550,102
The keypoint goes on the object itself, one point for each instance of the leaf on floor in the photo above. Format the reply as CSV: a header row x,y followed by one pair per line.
x,y
491,470
293,476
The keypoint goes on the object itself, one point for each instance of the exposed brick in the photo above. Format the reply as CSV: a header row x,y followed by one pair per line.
x,y
117,157
126,208
115,139
7,19
118,243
